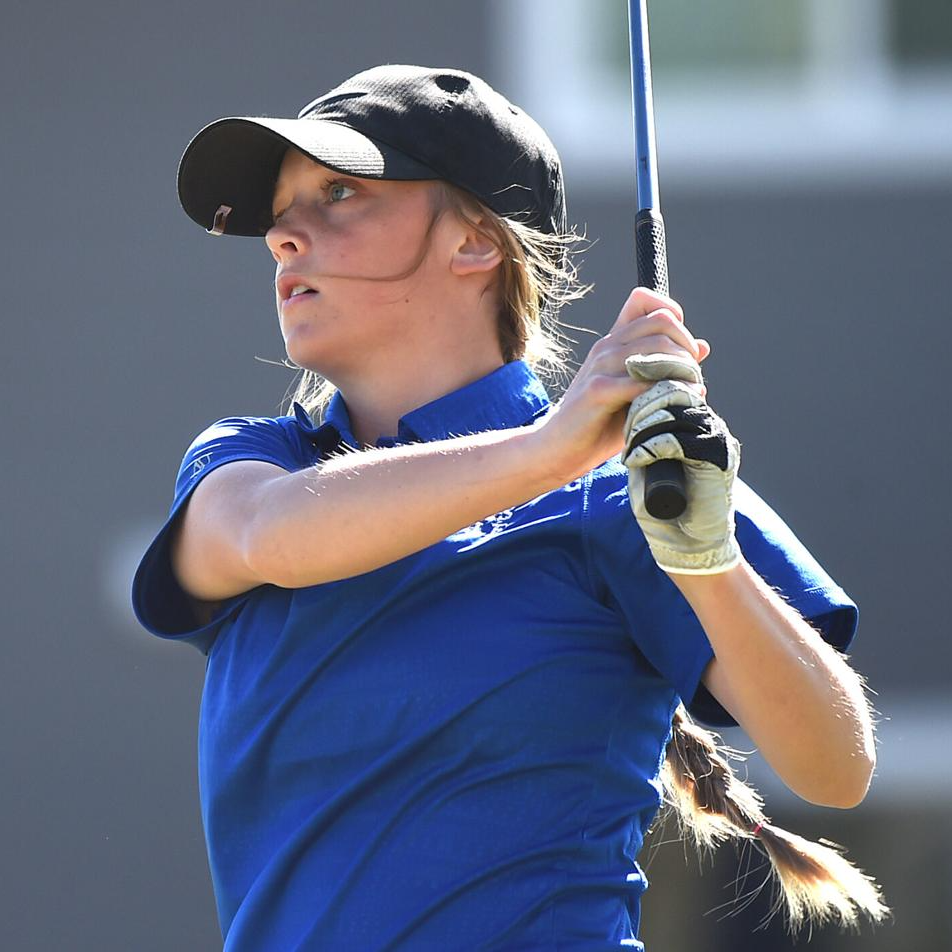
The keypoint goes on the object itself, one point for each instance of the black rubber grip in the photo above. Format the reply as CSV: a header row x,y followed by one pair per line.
x,y
651,251
665,491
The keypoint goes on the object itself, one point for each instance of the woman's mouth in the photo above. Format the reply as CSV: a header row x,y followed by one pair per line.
x,y
290,290
294,301
297,294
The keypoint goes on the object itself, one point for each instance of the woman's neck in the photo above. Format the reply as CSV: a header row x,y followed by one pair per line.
x,y
375,406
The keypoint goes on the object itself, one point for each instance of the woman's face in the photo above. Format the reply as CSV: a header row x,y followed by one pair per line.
x,y
358,268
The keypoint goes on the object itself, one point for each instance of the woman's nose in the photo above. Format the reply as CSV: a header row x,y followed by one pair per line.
x,y
285,240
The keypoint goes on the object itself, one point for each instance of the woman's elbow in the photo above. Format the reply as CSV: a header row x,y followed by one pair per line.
x,y
845,786
863,776
850,764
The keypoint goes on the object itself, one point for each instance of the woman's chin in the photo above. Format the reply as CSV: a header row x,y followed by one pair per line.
x,y
312,358
305,350
322,351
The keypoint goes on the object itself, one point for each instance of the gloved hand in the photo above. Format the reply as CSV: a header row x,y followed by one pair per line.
x,y
672,421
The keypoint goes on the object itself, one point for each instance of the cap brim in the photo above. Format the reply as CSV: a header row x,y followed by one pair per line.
x,y
235,162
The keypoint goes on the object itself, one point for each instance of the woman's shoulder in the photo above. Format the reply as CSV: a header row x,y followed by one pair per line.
x,y
293,432
248,427
291,441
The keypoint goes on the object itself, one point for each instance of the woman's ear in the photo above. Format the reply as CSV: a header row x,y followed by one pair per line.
x,y
475,255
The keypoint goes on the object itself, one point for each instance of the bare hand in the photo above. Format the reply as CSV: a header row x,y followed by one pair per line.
x,y
586,427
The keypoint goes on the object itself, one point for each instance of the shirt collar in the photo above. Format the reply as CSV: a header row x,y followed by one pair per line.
x,y
510,396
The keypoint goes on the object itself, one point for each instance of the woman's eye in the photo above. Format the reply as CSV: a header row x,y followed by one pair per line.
x,y
337,191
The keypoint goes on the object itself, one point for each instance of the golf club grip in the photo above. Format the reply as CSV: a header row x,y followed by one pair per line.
x,y
665,491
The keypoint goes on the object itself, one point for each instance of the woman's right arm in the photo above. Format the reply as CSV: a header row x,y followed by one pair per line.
x,y
251,522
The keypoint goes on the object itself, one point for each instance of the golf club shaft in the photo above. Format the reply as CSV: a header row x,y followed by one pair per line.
x,y
665,492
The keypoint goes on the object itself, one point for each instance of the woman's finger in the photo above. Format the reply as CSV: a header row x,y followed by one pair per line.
x,y
659,323
643,301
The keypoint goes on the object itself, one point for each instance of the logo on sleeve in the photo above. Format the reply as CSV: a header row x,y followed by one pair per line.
x,y
200,463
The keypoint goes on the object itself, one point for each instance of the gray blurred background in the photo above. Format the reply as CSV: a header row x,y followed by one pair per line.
x,y
806,178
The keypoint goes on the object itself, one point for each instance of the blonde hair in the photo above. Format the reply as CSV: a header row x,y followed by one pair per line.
x,y
537,276
814,883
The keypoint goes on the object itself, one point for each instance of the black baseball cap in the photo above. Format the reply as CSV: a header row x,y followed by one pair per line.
x,y
389,122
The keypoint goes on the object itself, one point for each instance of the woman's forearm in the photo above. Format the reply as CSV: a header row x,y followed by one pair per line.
x,y
356,512
795,695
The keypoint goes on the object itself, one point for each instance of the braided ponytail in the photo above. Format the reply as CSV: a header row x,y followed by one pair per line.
x,y
816,883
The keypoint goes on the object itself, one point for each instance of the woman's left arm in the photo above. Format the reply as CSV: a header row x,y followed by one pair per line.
x,y
794,694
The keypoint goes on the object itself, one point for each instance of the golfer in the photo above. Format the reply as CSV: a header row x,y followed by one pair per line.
x,y
450,658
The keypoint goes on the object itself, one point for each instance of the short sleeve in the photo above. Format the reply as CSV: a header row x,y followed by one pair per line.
x,y
160,604
783,561
663,625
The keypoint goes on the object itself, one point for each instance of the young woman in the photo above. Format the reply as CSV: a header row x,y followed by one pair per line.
x,y
445,642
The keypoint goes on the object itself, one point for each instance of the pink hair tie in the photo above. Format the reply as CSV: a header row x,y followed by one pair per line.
x,y
756,829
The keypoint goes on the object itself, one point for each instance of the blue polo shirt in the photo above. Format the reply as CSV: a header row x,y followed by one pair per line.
x,y
459,750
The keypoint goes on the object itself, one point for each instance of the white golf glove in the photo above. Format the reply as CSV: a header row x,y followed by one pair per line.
x,y
671,421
